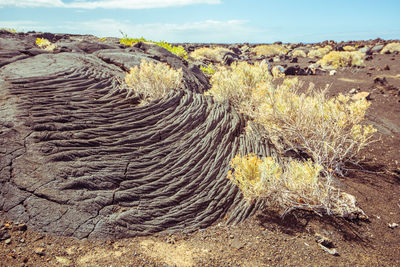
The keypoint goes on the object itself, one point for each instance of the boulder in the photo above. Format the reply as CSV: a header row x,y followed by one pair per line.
x,y
377,48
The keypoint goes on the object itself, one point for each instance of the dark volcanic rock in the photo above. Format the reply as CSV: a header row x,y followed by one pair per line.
x,y
78,158
229,58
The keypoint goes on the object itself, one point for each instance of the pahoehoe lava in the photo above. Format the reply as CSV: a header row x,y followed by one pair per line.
x,y
80,159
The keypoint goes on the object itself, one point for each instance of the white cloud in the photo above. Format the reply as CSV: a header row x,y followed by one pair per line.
x,y
107,4
202,31
207,31
31,3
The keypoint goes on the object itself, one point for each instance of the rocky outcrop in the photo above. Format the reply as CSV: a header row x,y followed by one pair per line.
x,y
80,159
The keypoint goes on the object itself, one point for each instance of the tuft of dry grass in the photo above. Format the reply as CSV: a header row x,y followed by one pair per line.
x,y
270,50
151,81
211,54
338,59
391,48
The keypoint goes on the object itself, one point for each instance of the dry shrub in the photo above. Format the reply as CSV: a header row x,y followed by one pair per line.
x,y
270,50
290,185
299,53
390,48
211,54
338,59
151,81
349,48
235,83
45,44
328,130
319,52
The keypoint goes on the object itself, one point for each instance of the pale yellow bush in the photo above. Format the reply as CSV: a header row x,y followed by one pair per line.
x,y
212,54
299,53
289,185
338,59
151,81
328,130
45,44
390,48
269,50
349,48
236,82
319,52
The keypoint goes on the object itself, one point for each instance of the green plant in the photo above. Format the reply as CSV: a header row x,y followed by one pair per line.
x,y
176,50
10,30
209,70
338,59
131,41
45,44
151,81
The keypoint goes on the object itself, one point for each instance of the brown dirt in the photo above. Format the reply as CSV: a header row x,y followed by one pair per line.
x,y
266,239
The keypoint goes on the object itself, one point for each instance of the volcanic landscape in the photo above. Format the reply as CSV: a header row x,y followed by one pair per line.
x,y
89,177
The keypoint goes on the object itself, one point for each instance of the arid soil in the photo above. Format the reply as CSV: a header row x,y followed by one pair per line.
x,y
88,178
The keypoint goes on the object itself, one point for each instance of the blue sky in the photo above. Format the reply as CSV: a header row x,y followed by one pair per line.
x,y
222,21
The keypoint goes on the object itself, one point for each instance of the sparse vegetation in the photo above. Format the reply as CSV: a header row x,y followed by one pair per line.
x,y
391,48
214,54
319,52
10,30
151,81
329,131
338,59
176,50
45,44
299,53
270,50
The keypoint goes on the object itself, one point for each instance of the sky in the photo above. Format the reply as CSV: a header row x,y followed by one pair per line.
x,y
209,21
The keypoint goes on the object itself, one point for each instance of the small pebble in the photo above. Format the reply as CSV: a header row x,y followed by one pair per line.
x,y
39,251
